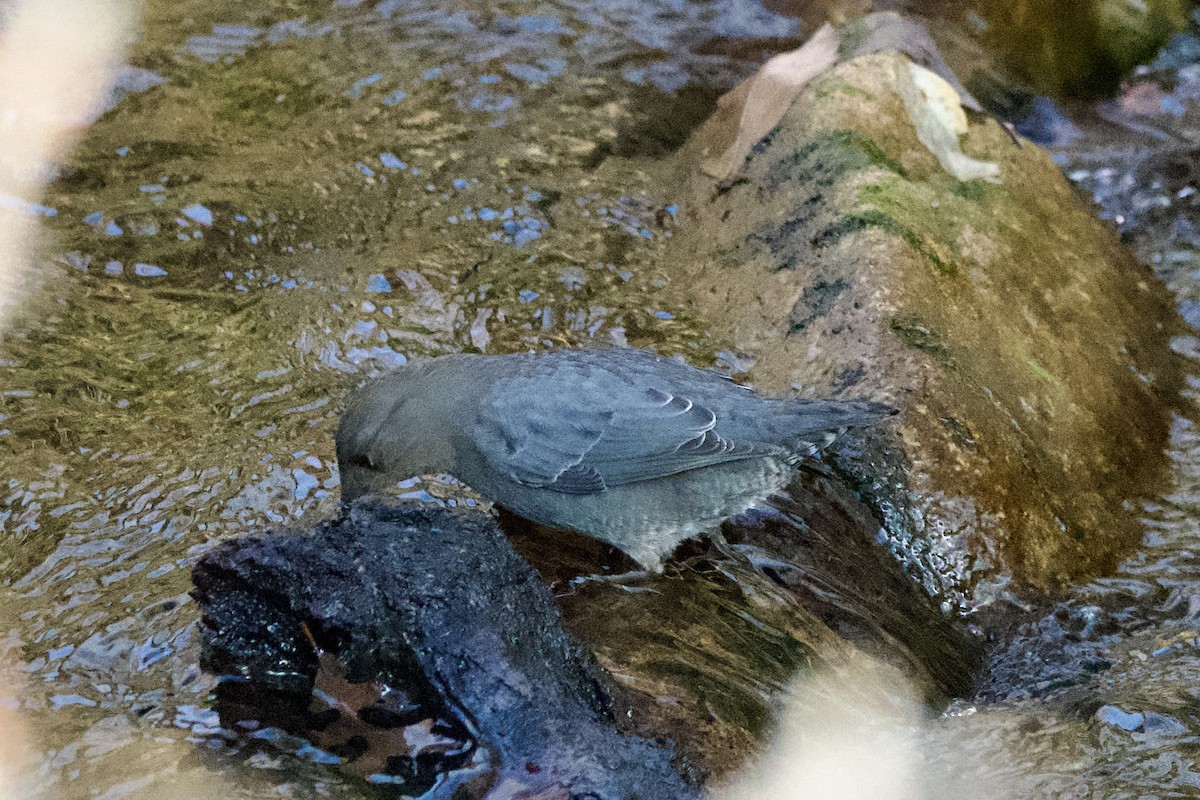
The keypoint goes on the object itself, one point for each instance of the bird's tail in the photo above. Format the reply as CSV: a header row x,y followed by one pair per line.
x,y
838,414
812,425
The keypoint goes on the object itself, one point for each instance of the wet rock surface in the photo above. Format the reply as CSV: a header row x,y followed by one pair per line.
x,y
821,541
703,652
438,604
1114,664
1028,349
698,656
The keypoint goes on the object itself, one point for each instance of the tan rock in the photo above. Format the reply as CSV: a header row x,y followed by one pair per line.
x,y
1027,347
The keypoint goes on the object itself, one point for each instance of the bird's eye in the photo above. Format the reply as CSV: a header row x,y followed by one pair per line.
x,y
361,460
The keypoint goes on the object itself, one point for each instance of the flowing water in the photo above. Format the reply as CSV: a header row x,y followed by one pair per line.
x,y
291,196
286,199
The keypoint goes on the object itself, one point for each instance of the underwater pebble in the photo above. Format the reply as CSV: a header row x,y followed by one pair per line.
x,y
199,720
394,97
61,700
378,283
359,86
143,270
317,755
305,483
528,73
1126,721
198,214
480,337
539,24
60,652
146,654
390,161
1163,725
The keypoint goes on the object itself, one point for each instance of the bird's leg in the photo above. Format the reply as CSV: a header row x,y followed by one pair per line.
x,y
623,579
651,571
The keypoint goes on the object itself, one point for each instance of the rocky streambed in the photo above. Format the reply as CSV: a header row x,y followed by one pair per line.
x,y
312,197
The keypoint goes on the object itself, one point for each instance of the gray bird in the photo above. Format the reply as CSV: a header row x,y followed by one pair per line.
x,y
625,446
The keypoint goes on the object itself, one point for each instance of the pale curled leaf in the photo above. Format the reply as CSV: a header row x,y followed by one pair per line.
x,y
936,113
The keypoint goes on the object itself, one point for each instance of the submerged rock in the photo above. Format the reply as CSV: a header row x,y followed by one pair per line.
x,y
1027,347
704,652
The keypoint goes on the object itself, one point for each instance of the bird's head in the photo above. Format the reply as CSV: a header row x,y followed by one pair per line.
x,y
394,428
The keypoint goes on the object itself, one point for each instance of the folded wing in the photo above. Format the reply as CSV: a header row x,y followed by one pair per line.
x,y
579,432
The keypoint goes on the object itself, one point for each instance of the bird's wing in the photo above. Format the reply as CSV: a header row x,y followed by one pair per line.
x,y
579,432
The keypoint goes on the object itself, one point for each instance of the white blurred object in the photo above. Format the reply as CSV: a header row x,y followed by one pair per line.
x,y
860,734
57,63
58,60
16,758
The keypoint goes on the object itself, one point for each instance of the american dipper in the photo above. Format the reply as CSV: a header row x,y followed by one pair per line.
x,y
625,446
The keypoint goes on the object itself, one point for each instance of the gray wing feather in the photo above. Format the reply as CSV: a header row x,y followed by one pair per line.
x,y
578,480
580,432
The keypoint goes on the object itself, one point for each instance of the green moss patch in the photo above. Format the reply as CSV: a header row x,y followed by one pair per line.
x,y
914,333
873,218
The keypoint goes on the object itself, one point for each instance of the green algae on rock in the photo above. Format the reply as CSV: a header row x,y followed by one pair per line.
x,y
1027,347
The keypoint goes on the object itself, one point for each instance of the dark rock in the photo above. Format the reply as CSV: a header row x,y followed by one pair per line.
x,y
440,604
1046,125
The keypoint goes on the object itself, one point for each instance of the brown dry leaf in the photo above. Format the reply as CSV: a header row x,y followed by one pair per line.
x,y
757,104
1142,99
766,96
